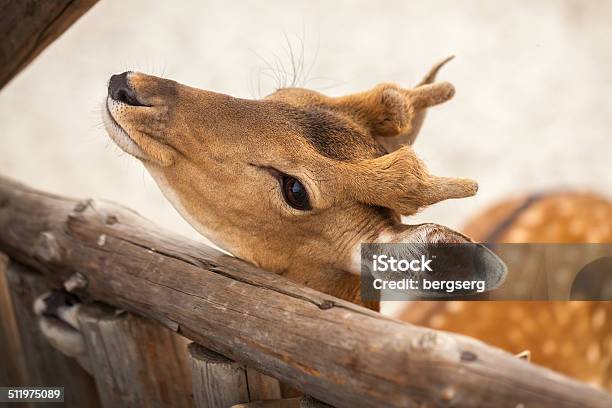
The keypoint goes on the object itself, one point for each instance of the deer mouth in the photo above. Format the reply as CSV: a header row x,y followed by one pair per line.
x,y
117,133
133,125
120,97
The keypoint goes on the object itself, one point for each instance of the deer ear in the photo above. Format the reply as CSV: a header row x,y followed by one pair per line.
x,y
466,260
394,115
400,181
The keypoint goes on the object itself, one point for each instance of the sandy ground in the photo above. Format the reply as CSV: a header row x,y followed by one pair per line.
x,y
531,112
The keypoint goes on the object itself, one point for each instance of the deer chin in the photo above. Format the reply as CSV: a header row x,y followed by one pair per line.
x,y
130,138
117,133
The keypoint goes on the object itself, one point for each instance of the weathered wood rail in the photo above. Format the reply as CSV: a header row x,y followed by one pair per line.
x,y
338,352
27,27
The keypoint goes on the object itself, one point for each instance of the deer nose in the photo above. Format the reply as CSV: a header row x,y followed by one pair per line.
x,y
120,90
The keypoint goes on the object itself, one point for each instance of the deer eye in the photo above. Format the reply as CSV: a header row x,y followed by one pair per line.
x,y
295,193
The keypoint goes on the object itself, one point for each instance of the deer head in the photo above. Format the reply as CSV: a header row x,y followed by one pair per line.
x,y
293,182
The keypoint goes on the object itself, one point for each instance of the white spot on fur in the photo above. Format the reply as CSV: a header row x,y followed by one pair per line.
x,y
517,235
394,308
533,218
598,319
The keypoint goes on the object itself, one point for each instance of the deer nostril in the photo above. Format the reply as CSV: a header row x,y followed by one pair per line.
x,y
120,90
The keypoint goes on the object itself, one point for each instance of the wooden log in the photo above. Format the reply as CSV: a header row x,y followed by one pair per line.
x,y
339,353
44,365
135,362
28,27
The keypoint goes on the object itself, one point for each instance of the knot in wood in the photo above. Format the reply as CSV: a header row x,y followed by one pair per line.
x,y
326,304
426,341
82,205
48,248
468,356
111,219
76,282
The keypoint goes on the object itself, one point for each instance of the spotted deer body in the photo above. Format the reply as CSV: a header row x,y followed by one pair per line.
x,y
575,337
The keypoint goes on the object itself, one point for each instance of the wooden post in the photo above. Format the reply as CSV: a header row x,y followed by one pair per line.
x,y
12,368
220,382
261,386
217,381
135,362
42,365
28,27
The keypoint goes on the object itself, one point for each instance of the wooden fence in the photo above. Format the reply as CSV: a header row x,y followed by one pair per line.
x,y
256,335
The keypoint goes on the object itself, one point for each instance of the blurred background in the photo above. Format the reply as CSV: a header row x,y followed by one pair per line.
x,y
531,110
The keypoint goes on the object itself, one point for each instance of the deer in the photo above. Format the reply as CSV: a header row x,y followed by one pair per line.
x,y
293,183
